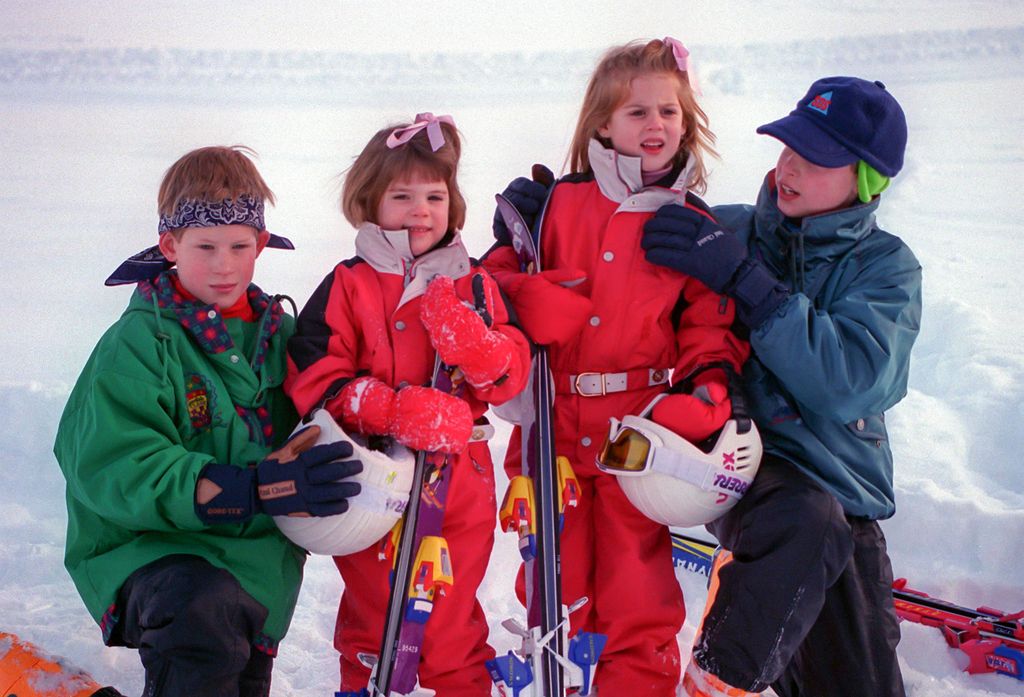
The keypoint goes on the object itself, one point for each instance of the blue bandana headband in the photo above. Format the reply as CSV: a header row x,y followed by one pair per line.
x,y
244,210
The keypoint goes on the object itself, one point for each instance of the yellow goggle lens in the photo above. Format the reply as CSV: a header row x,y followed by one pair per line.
x,y
626,452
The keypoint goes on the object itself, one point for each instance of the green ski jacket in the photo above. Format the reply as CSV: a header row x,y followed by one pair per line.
x,y
169,388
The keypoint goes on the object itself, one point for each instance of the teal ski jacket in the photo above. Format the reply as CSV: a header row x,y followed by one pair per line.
x,y
836,354
169,388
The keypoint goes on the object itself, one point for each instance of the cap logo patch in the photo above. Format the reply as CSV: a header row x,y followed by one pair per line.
x,y
822,102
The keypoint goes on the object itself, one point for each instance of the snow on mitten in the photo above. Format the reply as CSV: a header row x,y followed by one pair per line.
x,y
696,416
367,406
461,335
428,419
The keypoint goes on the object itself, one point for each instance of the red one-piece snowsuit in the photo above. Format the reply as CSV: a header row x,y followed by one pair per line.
x,y
646,321
365,319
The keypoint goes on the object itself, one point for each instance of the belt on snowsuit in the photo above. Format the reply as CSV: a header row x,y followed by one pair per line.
x,y
599,384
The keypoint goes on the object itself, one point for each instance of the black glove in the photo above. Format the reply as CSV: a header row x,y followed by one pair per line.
x,y
528,196
694,244
299,478
687,241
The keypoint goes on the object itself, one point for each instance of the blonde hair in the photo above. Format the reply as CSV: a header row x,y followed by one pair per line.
x,y
609,88
377,166
212,174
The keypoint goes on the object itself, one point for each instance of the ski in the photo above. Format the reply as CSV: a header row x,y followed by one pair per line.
x,y
548,663
993,640
422,566
692,554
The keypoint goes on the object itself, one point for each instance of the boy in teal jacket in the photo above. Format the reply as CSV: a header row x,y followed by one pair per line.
x,y
166,445
802,597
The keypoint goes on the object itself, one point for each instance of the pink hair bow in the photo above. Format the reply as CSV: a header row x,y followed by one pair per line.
x,y
401,136
682,57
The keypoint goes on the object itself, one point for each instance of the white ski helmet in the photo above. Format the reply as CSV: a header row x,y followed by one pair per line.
x,y
671,480
386,481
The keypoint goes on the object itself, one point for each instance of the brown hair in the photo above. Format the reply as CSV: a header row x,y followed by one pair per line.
x,y
609,88
378,165
212,174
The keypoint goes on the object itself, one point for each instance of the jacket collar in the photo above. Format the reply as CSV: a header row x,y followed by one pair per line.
x,y
388,252
848,224
204,322
794,247
620,179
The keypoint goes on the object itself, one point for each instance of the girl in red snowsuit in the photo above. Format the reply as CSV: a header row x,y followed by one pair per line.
x,y
618,327
364,347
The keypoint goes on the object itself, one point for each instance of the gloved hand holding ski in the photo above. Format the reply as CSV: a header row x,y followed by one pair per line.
x,y
461,336
528,197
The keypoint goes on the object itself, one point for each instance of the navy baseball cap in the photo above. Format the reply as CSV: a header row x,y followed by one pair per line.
x,y
842,120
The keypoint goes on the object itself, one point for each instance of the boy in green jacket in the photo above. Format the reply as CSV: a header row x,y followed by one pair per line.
x,y
166,445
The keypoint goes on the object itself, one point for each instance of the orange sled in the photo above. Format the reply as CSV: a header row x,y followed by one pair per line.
x,y
27,671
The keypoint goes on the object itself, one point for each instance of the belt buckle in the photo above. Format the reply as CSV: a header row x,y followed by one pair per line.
x,y
581,393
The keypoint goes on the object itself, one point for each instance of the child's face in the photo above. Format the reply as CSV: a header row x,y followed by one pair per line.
x,y
215,264
419,206
805,188
649,124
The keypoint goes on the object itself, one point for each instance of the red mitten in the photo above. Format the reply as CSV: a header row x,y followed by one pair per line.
x,y
695,416
460,335
367,406
428,419
549,310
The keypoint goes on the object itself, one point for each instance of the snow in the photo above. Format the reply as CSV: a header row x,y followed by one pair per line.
x,y
87,130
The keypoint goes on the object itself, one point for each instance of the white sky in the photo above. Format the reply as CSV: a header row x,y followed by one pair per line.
x,y
467,25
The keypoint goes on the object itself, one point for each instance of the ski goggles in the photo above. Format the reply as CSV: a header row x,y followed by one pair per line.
x,y
637,447
626,451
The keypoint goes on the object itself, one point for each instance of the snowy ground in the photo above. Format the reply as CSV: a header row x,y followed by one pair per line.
x,y
81,165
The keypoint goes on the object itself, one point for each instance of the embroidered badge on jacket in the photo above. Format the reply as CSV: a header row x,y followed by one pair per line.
x,y
198,398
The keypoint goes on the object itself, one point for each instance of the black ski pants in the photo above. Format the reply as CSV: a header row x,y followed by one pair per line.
x,y
194,627
804,605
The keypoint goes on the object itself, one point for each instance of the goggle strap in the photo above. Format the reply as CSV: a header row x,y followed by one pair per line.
x,y
700,474
678,466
